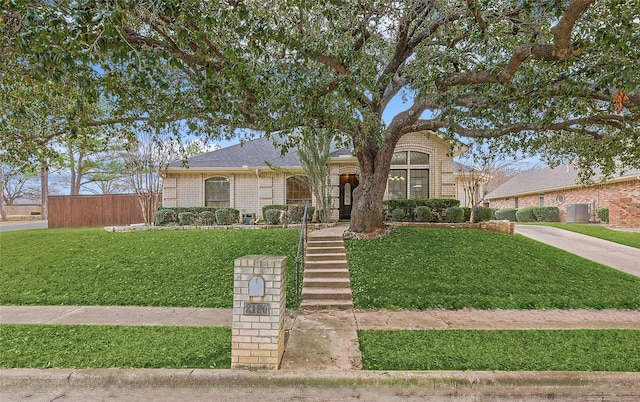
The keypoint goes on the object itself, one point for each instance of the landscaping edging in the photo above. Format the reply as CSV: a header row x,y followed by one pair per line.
x,y
142,227
505,227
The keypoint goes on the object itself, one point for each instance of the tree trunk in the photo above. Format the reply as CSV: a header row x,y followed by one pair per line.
x,y
375,162
44,196
3,213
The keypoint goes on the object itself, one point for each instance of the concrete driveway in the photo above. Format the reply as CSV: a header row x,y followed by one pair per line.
x,y
618,256
22,225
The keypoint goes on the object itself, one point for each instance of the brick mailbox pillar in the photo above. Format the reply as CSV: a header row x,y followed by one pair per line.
x,y
258,312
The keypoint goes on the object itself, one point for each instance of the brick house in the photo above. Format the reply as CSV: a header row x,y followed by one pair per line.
x,y
560,187
239,177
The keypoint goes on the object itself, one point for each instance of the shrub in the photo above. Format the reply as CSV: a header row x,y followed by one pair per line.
x,y
208,218
482,214
454,215
274,216
493,212
278,207
506,214
186,218
227,216
423,214
438,207
166,217
547,214
295,213
526,215
603,214
398,215
467,214
195,210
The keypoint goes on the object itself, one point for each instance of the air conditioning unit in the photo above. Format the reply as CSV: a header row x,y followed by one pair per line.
x,y
578,213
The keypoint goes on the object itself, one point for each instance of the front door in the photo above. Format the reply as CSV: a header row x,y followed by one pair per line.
x,y
348,182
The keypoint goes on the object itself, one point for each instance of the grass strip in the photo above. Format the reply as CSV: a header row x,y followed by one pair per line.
x,y
182,268
429,268
513,350
97,346
631,239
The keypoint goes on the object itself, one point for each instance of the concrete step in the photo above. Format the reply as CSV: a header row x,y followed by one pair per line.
x,y
326,264
313,237
325,282
327,304
324,257
326,273
312,249
324,243
309,294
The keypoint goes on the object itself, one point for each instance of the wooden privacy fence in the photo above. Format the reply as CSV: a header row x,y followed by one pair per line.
x,y
73,211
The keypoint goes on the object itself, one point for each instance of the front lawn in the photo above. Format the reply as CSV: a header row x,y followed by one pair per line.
x,y
631,239
512,350
426,268
182,268
99,346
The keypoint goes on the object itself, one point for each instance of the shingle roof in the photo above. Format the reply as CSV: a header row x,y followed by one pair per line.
x,y
536,181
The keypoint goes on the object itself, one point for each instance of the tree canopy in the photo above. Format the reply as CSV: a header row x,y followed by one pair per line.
x,y
555,78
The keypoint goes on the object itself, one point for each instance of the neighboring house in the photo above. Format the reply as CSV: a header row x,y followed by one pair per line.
x,y
560,187
239,177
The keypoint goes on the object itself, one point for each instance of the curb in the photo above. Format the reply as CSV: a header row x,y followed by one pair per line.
x,y
619,383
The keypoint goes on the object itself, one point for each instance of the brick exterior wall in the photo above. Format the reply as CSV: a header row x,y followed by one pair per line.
x,y
597,196
625,213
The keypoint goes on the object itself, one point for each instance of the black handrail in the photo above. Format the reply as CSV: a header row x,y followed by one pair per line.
x,y
300,255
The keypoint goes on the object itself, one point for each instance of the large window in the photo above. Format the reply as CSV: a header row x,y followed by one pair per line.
x,y
409,175
216,192
297,192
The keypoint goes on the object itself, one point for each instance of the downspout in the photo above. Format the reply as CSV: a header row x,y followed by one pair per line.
x,y
259,212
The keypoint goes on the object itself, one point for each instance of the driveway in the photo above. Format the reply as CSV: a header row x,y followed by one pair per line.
x,y
618,256
22,225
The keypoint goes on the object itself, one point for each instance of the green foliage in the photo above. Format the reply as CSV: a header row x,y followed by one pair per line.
x,y
423,214
195,210
398,215
207,218
603,214
526,215
166,217
186,218
504,350
274,216
482,214
295,213
101,346
547,214
467,214
454,215
506,214
170,268
438,207
227,216
428,268
279,207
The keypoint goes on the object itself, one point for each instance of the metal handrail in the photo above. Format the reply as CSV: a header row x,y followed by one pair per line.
x,y
300,254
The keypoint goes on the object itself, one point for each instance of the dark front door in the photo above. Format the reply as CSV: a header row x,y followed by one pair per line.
x,y
348,182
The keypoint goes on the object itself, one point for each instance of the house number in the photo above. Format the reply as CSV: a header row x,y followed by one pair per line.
x,y
256,308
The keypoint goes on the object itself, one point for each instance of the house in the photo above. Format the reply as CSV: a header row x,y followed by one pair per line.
x,y
560,187
239,176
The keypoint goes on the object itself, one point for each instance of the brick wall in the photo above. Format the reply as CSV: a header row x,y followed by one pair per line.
x,y
624,212
598,196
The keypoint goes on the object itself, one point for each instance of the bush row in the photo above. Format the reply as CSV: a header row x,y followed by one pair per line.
x,y
284,214
412,210
196,216
529,214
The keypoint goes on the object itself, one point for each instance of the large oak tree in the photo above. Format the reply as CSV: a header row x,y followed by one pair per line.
x,y
557,78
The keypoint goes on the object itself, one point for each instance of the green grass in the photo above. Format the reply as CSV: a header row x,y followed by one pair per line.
x,y
81,346
631,239
424,268
183,268
536,350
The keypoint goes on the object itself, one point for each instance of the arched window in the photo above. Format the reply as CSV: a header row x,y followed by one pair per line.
x,y
216,192
298,192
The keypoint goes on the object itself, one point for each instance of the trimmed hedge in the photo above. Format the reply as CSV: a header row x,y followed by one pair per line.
x,y
467,214
506,214
208,218
293,213
423,214
603,214
273,216
227,216
438,207
398,215
186,218
482,214
454,215
547,214
526,215
166,217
